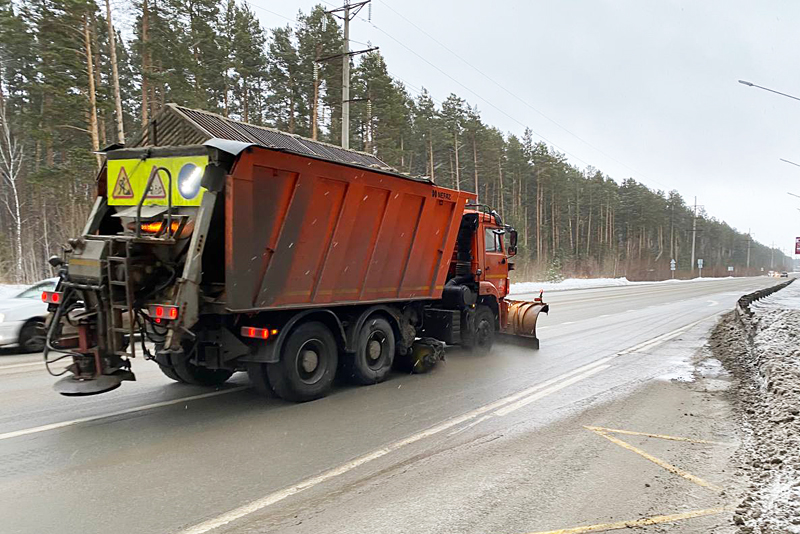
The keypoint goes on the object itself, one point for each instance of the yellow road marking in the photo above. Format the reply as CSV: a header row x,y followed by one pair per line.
x,y
655,520
659,436
659,462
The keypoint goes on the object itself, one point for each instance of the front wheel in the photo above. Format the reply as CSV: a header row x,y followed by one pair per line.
x,y
481,337
307,366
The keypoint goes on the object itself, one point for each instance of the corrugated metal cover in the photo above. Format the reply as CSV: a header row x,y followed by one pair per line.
x,y
177,125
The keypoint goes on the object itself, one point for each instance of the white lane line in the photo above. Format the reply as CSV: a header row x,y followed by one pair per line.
x,y
18,365
536,396
604,315
658,340
308,483
712,303
629,311
568,322
62,424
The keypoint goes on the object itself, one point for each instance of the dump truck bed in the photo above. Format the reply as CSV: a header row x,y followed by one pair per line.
x,y
303,232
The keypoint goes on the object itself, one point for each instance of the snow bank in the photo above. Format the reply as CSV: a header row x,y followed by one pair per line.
x,y
588,283
763,352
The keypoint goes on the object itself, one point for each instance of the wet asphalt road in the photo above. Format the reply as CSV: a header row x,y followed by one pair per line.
x,y
156,456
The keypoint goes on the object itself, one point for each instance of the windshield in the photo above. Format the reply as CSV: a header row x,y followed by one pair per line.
x,y
35,291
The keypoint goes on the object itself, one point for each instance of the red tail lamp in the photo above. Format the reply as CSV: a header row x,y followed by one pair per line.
x,y
51,297
258,333
163,312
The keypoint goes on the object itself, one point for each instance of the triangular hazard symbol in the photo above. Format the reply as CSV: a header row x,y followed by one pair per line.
x,y
123,189
157,189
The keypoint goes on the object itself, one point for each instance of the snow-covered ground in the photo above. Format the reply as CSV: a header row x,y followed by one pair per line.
x,y
763,352
588,283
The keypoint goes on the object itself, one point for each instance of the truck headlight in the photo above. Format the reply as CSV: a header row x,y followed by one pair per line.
x,y
189,179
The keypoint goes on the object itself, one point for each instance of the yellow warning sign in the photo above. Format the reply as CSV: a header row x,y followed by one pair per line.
x,y
157,189
127,179
123,189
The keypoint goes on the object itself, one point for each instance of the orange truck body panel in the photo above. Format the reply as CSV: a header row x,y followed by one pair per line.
x,y
302,232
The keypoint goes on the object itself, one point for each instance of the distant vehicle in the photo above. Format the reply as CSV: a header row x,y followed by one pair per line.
x,y
22,317
784,274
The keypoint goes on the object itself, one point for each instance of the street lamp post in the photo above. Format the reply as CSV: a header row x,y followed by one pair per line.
x,y
751,84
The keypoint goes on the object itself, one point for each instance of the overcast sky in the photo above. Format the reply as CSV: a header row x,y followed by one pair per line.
x,y
637,89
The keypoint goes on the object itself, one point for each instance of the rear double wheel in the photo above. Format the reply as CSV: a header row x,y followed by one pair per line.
x,y
307,367
375,350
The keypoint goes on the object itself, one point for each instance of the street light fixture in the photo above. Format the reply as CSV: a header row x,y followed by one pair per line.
x,y
751,84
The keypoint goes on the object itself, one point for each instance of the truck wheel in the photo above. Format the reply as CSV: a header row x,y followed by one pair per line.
x,y
257,372
308,364
169,372
196,375
374,354
481,338
32,335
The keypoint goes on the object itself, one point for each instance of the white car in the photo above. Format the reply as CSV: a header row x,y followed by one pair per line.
x,y
22,317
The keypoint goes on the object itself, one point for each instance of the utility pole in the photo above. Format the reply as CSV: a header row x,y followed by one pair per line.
x,y
772,256
749,239
694,231
346,79
348,12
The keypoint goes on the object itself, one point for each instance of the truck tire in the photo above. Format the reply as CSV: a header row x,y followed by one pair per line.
x,y
374,356
307,367
199,376
257,372
169,372
481,337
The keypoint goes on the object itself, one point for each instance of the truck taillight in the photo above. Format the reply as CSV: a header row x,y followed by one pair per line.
x,y
163,312
51,297
158,226
258,333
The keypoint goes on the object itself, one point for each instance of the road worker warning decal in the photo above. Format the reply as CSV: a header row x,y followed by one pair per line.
x,y
123,188
157,189
127,179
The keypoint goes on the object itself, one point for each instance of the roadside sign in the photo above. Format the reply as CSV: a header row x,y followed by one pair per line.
x,y
671,265
797,245
730,268
699,263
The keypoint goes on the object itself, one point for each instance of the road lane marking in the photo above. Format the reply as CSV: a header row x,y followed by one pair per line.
x,y
567,322
277,496
659,436
654,520
658,340
659,462
712,303
18,365
146,407
536,396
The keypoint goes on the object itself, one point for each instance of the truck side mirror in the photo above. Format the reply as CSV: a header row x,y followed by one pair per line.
x,y
512,242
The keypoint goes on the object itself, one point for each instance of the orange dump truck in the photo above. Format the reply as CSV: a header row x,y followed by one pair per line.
x,y
293,263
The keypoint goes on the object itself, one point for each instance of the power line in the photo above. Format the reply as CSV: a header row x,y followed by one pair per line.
x,y
476,94
498,84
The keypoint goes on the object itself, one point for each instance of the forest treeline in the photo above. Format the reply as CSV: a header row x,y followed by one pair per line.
x,y
75,77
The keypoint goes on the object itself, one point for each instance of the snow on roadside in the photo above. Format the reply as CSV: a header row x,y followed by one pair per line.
x,y
9,290
763,352
589,283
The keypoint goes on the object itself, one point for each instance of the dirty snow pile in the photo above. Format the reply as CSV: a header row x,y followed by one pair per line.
x,y
763,352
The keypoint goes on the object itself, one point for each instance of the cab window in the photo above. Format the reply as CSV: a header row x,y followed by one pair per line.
x,y
492,240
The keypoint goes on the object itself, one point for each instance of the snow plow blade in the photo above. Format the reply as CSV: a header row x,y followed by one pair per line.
x,y
521,325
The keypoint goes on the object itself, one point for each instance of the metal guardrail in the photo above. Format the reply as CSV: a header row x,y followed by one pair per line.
x,y
745,301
